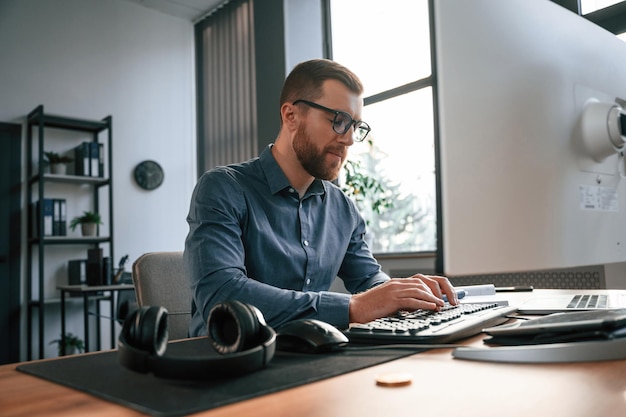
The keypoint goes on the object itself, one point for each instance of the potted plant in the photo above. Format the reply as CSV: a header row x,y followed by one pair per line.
x,y
58,163
73,344
88,221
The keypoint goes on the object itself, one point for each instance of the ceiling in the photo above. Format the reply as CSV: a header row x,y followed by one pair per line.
x,y
187,9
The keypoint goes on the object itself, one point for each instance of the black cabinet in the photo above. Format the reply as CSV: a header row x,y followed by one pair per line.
x,y
11,201
87,188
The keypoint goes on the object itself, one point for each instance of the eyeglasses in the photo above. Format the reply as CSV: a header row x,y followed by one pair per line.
x,y
342,122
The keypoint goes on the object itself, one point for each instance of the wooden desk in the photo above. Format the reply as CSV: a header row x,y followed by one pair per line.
x,y
441,385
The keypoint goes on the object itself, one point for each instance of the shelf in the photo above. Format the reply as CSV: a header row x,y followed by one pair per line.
x,y
69,240
72,298
70,179
94,288
60,122
40,186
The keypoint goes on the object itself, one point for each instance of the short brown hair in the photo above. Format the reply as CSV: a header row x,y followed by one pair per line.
x,y
306,79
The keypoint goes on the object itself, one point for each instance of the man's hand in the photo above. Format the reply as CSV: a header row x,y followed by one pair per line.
x,y
416,292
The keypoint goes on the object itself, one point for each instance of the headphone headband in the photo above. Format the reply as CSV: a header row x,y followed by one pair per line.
x,y
143,341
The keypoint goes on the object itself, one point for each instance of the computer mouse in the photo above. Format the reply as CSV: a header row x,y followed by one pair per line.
x,y
309,336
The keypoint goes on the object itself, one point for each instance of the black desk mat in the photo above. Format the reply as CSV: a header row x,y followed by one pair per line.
x,y
101,375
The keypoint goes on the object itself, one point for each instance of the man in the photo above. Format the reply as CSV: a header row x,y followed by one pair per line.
x,y
274,232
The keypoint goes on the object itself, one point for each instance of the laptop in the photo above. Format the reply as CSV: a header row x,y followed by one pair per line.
x,y
559,303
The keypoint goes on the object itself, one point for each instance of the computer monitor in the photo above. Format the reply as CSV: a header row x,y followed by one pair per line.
x,y
528,97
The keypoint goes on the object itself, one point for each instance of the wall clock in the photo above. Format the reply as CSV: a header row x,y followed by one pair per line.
x,y
149,175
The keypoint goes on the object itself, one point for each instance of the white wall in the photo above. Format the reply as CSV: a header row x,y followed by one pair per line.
x,y
304,38
93,58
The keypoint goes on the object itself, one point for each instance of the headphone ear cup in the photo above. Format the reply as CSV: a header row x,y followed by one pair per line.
x,y
146,329
234,326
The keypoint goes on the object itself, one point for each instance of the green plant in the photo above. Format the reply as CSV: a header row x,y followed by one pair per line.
x,y
87,217
71,342
55,158
361,186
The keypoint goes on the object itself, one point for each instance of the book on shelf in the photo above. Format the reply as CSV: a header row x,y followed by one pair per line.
x,y
94,267
86,271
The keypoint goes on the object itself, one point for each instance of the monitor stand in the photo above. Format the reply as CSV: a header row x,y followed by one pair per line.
x,y
597,350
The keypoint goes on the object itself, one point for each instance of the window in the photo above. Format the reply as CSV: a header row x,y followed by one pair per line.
x,y
588,6
391,55
609,14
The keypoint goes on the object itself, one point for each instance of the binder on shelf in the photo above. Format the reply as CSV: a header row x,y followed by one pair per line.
x,y
82,159
56,217
59,222
45,208
63,217
101,160
77,271
94,149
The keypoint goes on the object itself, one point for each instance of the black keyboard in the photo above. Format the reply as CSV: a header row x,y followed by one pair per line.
x,y
449,324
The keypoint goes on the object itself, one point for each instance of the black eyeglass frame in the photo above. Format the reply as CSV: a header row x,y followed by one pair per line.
x,y
359,125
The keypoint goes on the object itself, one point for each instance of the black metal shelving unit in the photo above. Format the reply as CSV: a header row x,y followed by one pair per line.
x,y
100,131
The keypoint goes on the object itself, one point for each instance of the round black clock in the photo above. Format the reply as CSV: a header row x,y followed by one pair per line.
x,y
148,175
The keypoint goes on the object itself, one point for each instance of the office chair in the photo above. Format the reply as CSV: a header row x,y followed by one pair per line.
x,y
160,280
126,299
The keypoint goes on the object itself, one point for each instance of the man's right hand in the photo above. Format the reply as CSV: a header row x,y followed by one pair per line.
x,y
413,293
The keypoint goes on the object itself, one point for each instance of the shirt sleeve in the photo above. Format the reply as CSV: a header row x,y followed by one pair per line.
x,y
215,262
359,270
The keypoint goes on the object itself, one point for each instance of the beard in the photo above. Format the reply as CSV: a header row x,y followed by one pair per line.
x,y
315,161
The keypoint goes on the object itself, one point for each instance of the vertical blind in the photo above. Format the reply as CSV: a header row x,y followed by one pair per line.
x,y
227,113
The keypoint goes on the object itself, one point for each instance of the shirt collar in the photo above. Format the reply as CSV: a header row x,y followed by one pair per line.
x,y
277,180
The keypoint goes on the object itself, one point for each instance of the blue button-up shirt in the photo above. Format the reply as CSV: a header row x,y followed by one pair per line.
x,y
251,238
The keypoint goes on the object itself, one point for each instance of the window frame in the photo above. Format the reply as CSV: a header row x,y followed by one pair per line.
x,y
413,86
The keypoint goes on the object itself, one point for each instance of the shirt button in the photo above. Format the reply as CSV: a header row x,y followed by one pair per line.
x,y
306,243
308,281
291,190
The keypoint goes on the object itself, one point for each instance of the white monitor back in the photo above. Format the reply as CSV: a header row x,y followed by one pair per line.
x,y
518,190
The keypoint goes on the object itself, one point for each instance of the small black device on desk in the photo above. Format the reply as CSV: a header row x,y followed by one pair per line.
x,y
309,336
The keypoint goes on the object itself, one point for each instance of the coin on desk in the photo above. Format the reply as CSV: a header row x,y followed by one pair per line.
x,y
394,379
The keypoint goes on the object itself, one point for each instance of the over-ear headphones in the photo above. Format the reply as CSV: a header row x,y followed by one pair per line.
x,y
236,330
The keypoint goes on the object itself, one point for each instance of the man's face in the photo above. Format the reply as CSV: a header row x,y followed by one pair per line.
x,y
320,150
322,162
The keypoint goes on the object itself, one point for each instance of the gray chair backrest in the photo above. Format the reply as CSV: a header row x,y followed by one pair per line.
x,y
160,280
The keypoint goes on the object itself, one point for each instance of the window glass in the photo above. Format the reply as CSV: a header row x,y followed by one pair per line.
x,y
588,6
399,156
392,49
386,43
